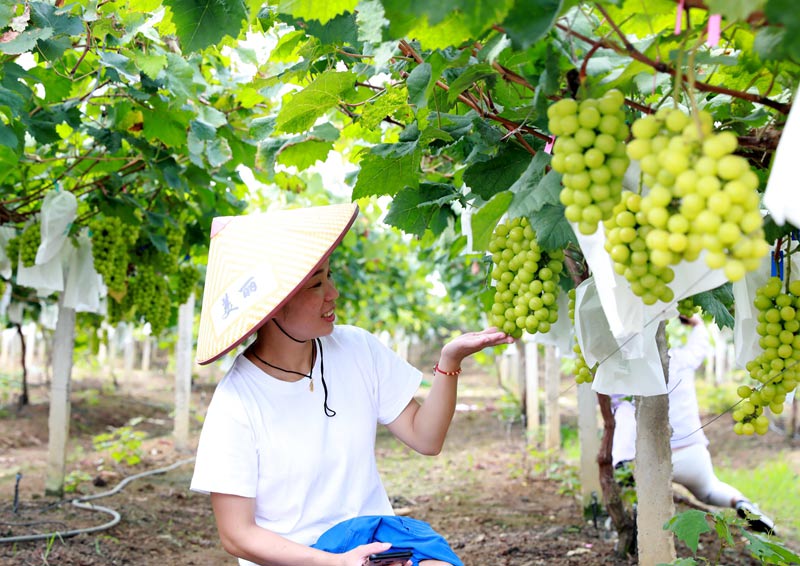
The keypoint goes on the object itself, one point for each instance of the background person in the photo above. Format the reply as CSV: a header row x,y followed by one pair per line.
x,y
691,460
287,449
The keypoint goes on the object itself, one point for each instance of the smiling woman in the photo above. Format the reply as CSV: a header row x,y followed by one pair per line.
x,y
290,466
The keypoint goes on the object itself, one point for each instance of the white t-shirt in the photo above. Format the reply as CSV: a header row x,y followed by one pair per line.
x,y
270,439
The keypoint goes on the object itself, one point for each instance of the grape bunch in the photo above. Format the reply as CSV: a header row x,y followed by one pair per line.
x,y
583,373
589,152
776,368
526,279
29,242
149,295
12,251
686,307
701,196
184,281
111,241
627,233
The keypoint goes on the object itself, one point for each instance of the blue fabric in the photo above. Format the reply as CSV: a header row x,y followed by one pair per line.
x,y
404,533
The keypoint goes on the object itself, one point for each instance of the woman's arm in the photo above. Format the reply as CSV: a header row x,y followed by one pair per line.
x,y
424,427
242,537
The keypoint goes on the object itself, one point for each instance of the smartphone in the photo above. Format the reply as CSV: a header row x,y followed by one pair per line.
x,y
391,558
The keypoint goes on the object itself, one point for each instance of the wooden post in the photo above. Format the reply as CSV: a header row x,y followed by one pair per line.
x,y
147,353
183,373
653,471
532,392
552,385
589,439
128,349
63,347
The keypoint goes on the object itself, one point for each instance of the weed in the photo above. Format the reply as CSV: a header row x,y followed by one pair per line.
x,y
123,442
689,525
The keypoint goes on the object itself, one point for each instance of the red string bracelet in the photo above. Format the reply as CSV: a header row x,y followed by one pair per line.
x,y
450,373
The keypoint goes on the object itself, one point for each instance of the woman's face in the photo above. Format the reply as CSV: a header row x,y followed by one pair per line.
x,y
310,313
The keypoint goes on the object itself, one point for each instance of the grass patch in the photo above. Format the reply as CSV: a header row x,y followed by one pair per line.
x,y
773,486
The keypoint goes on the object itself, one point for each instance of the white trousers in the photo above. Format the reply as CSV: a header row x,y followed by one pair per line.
x,y
692,468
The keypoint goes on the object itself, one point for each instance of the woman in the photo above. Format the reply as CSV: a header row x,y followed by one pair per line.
x,y
287,448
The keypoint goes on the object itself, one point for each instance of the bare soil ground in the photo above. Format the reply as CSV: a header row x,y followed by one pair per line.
x,y
497,502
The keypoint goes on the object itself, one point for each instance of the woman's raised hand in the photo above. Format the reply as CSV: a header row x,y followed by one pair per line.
x,y
467,344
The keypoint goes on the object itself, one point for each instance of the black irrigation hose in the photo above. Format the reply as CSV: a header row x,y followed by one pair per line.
x,y
80,504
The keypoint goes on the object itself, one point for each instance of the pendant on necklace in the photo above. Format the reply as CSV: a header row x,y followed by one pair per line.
x,y
311,384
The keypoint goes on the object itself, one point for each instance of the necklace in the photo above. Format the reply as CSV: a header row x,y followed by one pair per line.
x,y
317,343
301,374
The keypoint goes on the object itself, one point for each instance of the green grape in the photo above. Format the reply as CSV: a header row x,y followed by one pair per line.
x,y
627,235
589,152
111,241
29,242
687,308
525,278
12,251
583,373
702,196
149,294
776,367
185,280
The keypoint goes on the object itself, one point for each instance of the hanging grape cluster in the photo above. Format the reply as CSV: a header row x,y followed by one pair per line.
x,y
185,280
701,196
149,296
589,151
626,244
687,307
111,240
29,242
526,279
776,368
583,373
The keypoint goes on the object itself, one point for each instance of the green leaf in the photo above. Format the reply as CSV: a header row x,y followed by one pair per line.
x,y
370,21
530,20
471,75
484,221
534,188
200,23
417,82
387,175
769,552
24,42
487,178
688,526
304,154
412,210
552,229
7,137
717,302
301,110
151,65
735,10
218,152
315,10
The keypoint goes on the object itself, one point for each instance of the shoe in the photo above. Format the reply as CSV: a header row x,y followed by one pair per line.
x,y
755,517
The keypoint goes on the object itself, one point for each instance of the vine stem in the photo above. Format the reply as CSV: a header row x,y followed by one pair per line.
x,y
627,48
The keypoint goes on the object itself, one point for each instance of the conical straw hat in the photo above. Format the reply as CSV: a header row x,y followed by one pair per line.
x,y
255,264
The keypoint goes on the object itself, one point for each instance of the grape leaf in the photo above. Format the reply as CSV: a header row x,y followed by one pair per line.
x,y
717,302
305,153
552,229
487,178
688,526
412,210
530,20
315,10
301,110
484,221
768,551
200,23
387,175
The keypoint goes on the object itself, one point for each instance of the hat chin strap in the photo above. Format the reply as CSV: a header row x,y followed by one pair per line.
x,y
287,334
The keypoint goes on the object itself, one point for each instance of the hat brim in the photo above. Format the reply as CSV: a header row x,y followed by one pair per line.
x,y
256,264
